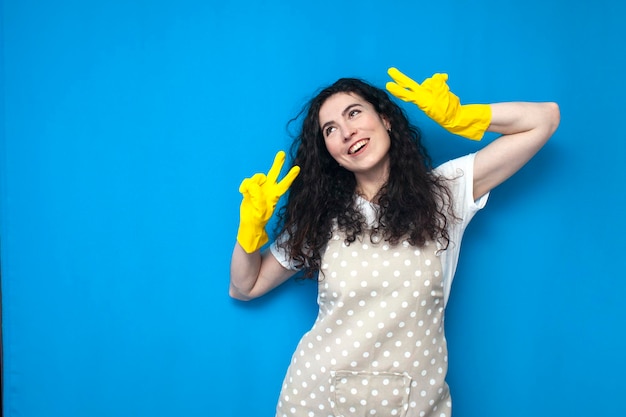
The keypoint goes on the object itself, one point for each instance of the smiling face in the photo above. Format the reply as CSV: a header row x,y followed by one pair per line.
x,y
356,136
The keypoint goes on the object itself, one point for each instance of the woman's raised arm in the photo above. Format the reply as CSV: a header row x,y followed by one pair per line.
x,y
253,273
525,128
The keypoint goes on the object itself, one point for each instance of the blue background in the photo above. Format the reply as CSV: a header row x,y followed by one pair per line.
x,y
127,127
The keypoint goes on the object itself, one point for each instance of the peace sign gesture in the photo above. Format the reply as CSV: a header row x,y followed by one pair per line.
x,y
435,99
260,195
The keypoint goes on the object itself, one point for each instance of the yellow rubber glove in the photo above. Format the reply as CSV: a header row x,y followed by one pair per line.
x,y
435,99
260,196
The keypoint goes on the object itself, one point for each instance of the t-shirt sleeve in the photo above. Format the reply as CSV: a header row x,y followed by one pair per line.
x,y
460,180
281,254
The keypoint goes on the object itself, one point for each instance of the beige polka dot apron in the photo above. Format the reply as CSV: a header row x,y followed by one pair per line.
x,y
377,347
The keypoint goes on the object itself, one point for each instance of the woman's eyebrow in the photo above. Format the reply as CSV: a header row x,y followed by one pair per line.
x,y
343,114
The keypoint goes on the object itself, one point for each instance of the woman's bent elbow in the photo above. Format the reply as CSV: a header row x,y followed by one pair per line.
x,y
554,115
233,292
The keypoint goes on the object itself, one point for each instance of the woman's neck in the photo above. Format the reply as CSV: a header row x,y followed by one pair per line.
x,y
368,188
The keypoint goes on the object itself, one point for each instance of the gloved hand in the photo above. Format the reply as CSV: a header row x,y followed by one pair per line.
x,y
260,196
435,99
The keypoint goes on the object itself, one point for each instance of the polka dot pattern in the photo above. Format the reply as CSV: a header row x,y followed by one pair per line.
x,y
377,347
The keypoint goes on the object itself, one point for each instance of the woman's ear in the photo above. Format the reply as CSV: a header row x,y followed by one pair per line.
x,y
386,123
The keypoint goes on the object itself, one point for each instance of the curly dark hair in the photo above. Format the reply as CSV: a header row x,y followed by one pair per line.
x,y
410,204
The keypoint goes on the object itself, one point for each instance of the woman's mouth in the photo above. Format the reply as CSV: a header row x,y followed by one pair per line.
x,y
358,146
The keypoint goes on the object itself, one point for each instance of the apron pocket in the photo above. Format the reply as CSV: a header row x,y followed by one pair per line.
x,y
367,394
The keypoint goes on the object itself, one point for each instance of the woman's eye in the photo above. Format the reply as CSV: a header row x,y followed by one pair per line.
x,y
354,112
329,130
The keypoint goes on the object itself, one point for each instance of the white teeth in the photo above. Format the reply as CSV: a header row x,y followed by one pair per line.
x,y
357,146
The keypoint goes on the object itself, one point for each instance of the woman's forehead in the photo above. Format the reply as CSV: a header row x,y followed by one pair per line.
x,y
338,102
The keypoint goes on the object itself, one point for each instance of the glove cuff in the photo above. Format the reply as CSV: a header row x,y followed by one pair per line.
x,y
471,122
251,238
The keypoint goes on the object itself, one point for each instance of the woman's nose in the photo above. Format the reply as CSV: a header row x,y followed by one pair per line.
x,y
348,132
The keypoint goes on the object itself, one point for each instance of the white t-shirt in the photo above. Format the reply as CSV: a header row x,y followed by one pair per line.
x,y
460,175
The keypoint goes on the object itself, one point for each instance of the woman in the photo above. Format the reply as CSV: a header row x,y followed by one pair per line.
x,y
381,230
